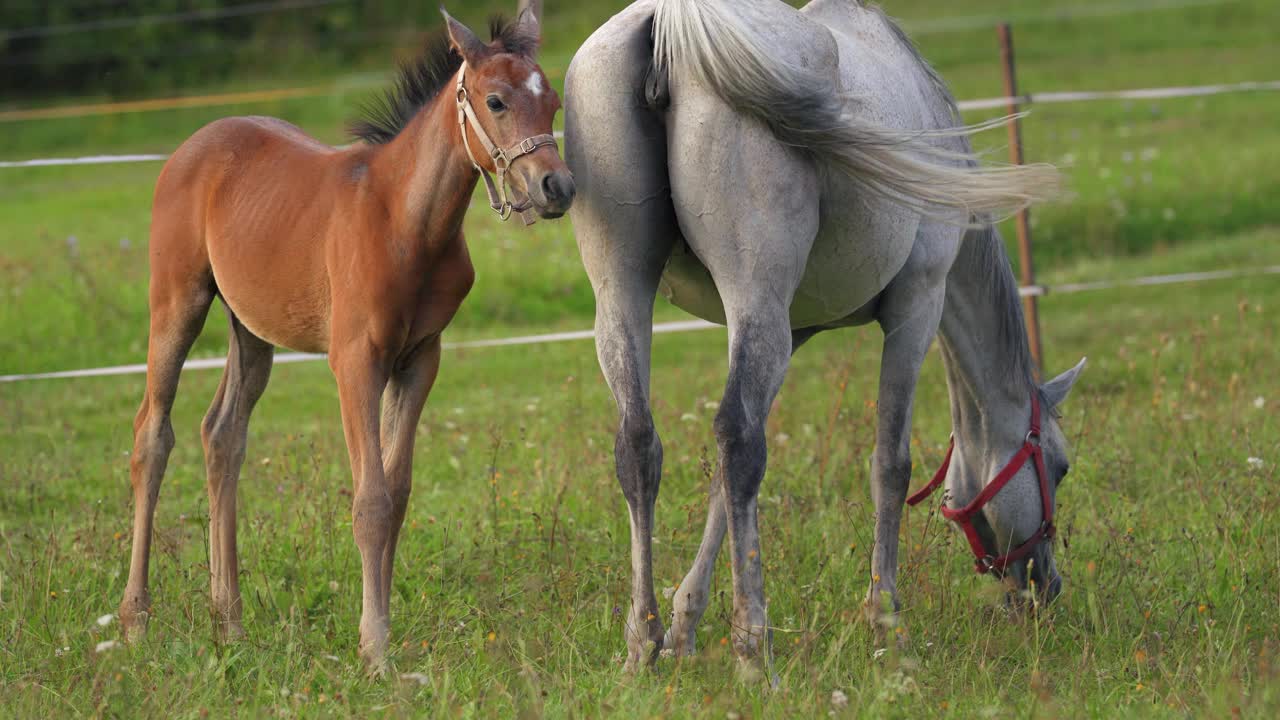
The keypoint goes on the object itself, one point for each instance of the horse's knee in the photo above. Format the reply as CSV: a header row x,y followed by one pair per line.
x,y
892,476
152,442
743,453
371,517
399,493
637,451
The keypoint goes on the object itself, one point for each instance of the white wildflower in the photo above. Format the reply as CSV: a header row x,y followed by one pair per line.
x,y
106,645
1256,463
688,417
839,700
879,653
105,620
416,677
1259,401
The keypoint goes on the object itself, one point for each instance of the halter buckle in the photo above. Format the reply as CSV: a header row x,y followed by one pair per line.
x,y
986,564
527,146
1033,437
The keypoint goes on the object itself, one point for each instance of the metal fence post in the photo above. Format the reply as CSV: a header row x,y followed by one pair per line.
x,y
1030,308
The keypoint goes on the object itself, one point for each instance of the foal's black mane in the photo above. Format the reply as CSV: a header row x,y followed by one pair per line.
x,y
421,80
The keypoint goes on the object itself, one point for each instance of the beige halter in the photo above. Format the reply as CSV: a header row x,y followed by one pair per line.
x,y
502,159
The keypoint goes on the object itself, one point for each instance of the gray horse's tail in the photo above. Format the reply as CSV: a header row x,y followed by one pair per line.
x,y
708,41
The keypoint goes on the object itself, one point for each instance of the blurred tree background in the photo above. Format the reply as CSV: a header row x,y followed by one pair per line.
x,y
130,48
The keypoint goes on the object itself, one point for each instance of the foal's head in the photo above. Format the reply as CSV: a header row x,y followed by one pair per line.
x,y
513,104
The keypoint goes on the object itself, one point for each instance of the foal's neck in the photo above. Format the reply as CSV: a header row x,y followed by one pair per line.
x,y
984,344
429,177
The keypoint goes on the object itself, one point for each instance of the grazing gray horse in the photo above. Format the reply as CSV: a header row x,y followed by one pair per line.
x,y
787,172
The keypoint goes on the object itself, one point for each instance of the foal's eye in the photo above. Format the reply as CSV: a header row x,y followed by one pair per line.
x,y
495,103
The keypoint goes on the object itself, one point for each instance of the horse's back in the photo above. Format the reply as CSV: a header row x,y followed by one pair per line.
x,y
255,198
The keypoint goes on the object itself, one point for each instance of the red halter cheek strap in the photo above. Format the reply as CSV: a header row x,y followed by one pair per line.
x,y
964,516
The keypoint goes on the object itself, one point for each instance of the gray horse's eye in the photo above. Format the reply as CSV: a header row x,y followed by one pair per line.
x,y
495,103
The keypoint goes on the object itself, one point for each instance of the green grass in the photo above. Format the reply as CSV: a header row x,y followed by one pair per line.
x,y
517,528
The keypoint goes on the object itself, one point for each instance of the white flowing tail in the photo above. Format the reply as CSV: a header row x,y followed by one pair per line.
x,y
708,41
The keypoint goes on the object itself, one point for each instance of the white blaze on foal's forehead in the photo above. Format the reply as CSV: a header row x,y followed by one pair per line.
x,y
534,83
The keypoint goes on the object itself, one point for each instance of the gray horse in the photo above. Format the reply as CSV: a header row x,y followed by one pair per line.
x,y
786,172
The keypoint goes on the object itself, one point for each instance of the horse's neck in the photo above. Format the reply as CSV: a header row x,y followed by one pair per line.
x,y
984,342
429,178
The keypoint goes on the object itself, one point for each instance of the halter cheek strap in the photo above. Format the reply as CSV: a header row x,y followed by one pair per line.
x,y
964,516
502,159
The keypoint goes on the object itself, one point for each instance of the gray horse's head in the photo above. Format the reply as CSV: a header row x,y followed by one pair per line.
x,y
1012,521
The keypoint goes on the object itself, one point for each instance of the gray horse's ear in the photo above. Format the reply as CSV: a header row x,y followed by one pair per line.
x,y
468,45
1057,389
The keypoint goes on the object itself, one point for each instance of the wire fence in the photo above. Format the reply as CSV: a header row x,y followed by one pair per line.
x,y
658,329
1163,93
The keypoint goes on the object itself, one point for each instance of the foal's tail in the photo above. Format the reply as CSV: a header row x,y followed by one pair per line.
x,y
707,40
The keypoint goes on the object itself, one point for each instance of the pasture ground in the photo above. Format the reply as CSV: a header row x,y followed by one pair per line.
x,y
512,581
513,572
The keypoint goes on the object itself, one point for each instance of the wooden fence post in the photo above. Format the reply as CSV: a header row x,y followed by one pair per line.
x,y
1030,307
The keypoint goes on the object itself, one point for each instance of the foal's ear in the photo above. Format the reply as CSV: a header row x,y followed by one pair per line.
x,y
1057,389
521,37
468,45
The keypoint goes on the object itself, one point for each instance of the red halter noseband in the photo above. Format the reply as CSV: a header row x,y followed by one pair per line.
x,y
964,516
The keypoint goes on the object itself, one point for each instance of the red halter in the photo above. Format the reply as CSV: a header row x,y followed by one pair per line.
x,y
964,516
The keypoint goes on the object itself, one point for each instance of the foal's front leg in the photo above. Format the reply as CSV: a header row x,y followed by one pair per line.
x,y
406,394
362,374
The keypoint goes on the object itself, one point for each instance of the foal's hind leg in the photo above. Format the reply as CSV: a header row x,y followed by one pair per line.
x,y
224,432
179,303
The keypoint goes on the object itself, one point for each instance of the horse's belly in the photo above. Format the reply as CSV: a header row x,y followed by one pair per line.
x,y
274,298
853,258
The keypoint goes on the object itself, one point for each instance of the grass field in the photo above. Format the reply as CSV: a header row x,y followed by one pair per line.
x,y
512,580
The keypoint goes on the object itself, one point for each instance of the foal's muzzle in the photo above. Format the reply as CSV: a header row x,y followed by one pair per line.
x,y
553,194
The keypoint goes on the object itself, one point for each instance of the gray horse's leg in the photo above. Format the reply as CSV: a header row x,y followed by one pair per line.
x,y
909,312
760,352
756,253
690,602
224,432
624,328
625,227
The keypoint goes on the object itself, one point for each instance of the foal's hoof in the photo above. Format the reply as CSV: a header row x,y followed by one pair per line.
x,y
133,620
230,632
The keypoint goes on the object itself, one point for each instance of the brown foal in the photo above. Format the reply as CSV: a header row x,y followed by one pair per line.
x,y
358,253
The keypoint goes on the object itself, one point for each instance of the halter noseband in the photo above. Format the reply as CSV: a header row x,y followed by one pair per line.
x,y
964,516
502,159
